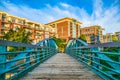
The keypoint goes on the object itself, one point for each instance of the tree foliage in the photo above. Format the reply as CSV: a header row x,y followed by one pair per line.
x,y
114,39
82,37
61,43
18,35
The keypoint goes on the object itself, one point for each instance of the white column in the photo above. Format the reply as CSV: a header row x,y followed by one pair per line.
x,y
68,28
73,30
56,31
78,31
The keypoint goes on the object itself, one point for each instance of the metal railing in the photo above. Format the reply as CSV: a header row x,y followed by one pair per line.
x,y
103,59
14,65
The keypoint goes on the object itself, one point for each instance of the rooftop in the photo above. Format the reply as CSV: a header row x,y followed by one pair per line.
x,y
64,19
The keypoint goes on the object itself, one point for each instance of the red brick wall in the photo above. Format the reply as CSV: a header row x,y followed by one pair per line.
x,y
63,25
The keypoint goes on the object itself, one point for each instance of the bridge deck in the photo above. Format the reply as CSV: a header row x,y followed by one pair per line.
x,y
61,67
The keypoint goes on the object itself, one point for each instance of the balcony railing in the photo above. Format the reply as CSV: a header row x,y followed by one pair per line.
x,y
5,28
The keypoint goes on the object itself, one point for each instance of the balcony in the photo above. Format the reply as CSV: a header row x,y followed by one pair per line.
x,y
2,33
39,34
38,29
28,27
5,28
5,20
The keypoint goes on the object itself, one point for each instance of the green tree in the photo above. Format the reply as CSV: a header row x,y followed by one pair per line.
x,y
19,35
61,43
82,37
114,39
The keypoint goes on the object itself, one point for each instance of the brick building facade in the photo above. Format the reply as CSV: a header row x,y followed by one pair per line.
x,y
93,34
66,28
37,30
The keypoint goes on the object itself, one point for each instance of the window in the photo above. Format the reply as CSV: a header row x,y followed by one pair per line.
x,y
3,25
3,17
13,19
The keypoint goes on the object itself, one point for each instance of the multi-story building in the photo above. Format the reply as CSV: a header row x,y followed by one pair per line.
x,y
93,34
36,30
94,39
118,35
66,28
111,37
8,22
49,31
108,37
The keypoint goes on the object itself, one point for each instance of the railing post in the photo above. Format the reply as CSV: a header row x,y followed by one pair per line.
x,y
95,59
119,53
77,54
80,54
43,54
76,49
2,59
28,59
37,55
85,55
47,52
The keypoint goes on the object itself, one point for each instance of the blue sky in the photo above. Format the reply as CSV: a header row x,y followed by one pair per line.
x,y
105,13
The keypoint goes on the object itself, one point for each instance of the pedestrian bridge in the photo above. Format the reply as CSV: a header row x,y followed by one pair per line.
x,y
42,61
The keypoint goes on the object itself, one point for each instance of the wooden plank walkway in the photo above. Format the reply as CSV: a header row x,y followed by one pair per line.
x,y
61,67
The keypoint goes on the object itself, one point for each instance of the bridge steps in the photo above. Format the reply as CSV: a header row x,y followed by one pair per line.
x,y
61,67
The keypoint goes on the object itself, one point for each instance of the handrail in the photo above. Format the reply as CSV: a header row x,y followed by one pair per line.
x,y
108,44
23,61
16,44
105,64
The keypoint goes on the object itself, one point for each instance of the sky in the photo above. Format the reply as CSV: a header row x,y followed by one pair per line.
x,y
105,13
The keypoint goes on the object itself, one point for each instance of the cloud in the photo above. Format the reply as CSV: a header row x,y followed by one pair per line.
x,y
108,18
64,5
